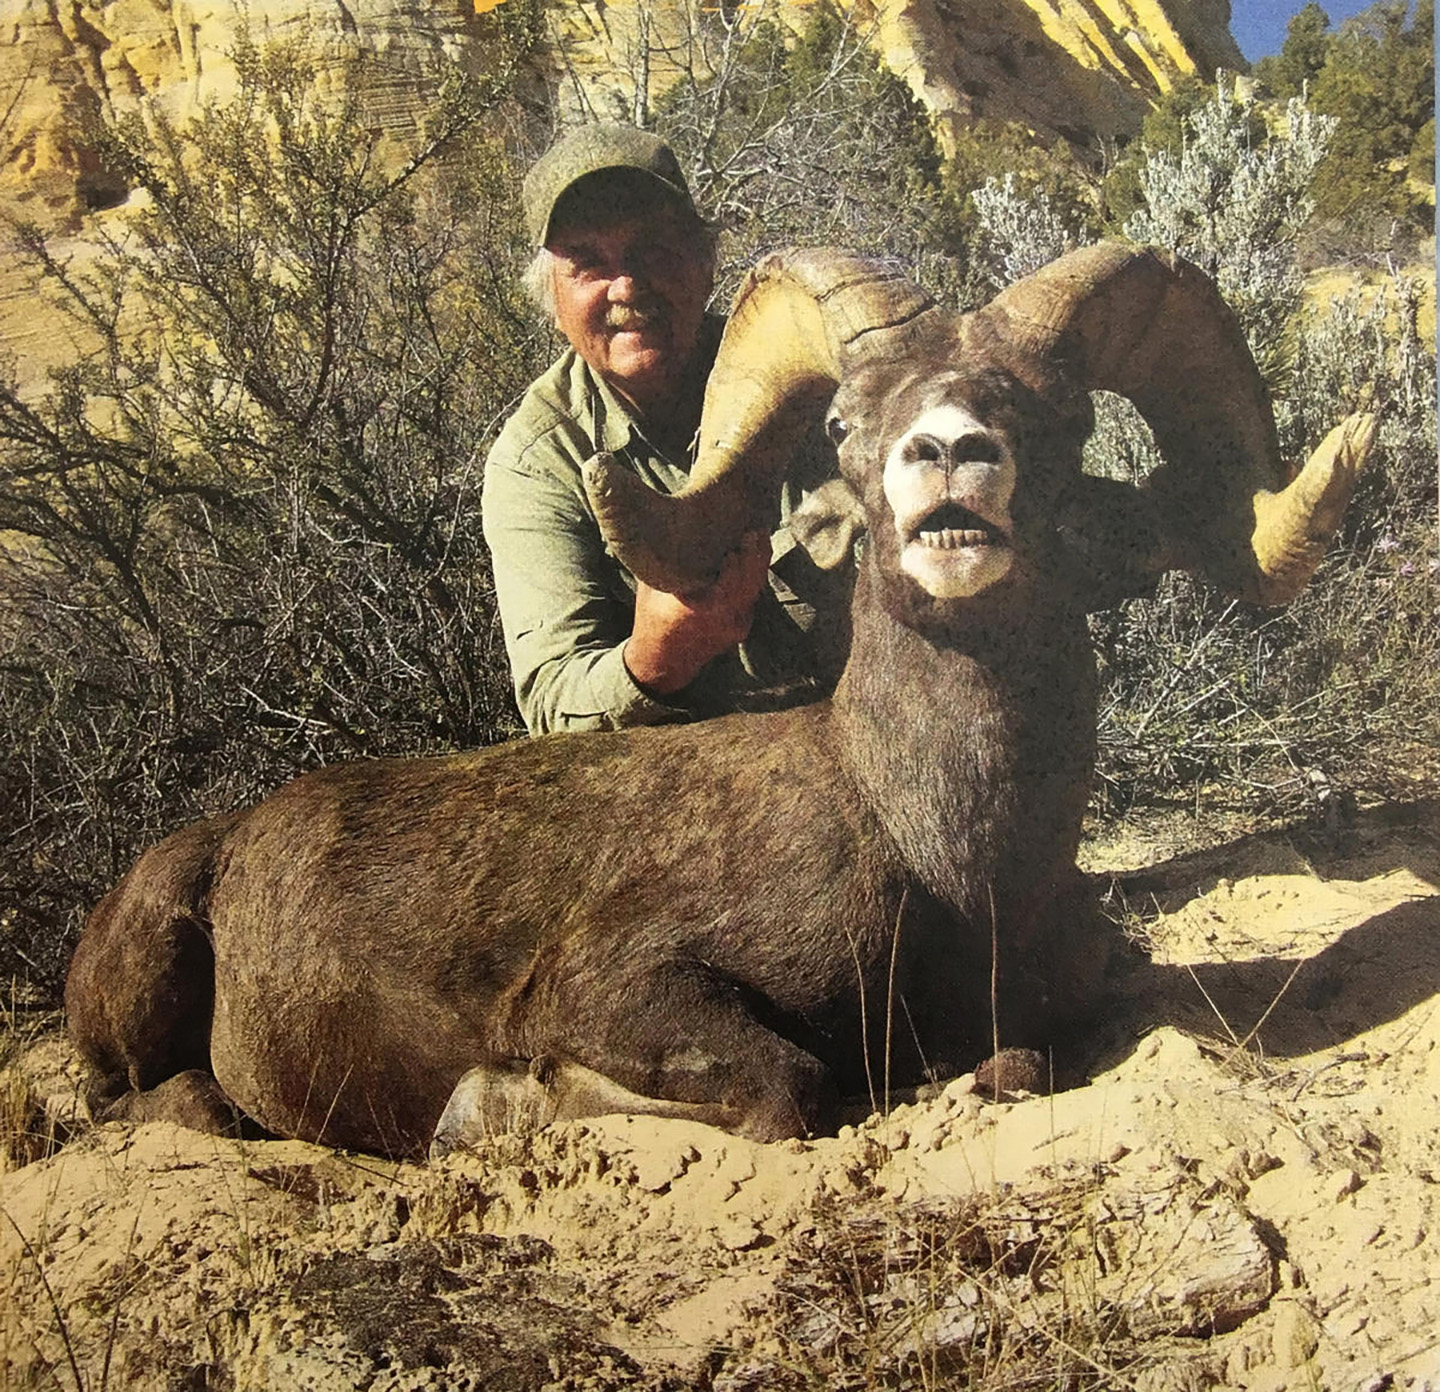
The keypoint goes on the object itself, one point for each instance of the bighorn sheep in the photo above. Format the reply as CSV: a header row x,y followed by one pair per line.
x,y
734,920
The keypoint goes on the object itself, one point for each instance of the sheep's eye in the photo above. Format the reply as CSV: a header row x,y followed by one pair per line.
x,y
837,429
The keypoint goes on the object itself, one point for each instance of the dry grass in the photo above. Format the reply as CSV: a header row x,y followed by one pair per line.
x,y
29,1129
1004,1291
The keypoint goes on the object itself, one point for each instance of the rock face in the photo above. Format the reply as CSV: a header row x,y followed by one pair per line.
x,y
1076,68
64,61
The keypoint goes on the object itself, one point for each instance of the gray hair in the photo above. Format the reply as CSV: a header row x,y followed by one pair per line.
x,y
538,282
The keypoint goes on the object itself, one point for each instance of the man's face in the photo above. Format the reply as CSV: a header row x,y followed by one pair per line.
x,y
630,295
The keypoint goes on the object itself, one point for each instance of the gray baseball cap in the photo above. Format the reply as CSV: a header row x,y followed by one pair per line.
x,y
591,150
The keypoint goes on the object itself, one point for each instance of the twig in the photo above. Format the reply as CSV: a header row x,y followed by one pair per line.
x,y
1278,994
994,993
54,1303
890,991
1179,673
1219,1015
119,1300
864,1018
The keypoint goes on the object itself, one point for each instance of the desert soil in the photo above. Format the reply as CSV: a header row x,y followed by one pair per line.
x,y
1245,1194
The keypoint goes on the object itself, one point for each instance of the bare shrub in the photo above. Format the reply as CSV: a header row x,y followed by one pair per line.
x,y
806,139
241,534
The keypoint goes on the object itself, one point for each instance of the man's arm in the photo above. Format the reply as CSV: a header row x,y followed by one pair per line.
x,y
563,607
582,657
675,636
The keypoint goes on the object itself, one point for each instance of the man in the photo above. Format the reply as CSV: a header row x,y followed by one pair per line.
x,y
625,267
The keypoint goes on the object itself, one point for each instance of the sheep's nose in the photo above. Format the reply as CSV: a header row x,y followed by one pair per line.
x,y
971,447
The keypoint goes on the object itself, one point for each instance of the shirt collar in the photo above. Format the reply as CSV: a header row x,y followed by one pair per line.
x,y
613,420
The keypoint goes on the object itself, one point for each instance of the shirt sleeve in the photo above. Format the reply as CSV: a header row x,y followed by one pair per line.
x,y
564,604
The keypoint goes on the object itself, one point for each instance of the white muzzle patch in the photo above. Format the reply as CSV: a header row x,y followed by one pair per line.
x,y
949,480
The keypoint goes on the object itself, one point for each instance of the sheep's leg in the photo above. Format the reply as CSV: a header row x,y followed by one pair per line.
x,y
671,1039
140,994
507,1098
192,1098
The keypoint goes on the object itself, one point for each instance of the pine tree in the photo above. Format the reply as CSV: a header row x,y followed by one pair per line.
x,y
1378,81
1301,58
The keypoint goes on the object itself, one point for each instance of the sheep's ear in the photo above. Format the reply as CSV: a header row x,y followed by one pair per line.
x,y
827,523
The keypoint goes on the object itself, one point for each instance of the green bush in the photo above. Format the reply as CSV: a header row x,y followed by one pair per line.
x,y
1233,200
1376,77
1302,57
1166,129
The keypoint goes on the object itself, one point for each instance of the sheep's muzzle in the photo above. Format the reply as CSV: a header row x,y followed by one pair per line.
x,y
949,481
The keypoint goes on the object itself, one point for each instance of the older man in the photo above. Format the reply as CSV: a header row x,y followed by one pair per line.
x,y
625,267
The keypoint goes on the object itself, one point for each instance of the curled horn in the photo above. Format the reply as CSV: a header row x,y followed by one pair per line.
x,y
798,321
1153,328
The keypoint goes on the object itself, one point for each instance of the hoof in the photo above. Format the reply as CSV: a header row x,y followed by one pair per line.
x,y
1012,1071
495,1100
191,1099
515,1098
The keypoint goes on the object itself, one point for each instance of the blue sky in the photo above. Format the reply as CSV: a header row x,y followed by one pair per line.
x,y
1259,25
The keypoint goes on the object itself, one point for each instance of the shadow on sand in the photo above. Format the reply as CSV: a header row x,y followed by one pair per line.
x,y
1371,973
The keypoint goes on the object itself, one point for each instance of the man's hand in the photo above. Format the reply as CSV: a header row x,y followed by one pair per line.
x,y
676,635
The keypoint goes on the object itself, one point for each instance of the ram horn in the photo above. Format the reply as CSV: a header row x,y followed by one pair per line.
x,y
1153,328
798,321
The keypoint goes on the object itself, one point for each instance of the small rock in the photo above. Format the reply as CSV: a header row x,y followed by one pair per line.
x,y
739,1233
1294,1336
656,1169
1344,1184
844,1180
1239,1363
957,1095
1261,1162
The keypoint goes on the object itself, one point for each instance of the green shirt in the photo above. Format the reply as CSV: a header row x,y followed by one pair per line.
x,y
567,605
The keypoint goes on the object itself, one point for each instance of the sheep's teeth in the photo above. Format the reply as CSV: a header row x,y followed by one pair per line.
x,y
953,538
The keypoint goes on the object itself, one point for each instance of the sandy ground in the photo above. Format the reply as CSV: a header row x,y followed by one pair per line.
x,y
1245,1195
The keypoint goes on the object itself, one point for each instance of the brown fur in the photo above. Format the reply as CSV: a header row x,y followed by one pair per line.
x,y
754,914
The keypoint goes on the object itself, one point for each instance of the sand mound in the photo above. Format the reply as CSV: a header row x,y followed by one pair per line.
x,y
1244,1195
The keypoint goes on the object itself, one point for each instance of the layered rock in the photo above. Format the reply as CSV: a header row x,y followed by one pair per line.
x,y
64,61
1077,68
1072,68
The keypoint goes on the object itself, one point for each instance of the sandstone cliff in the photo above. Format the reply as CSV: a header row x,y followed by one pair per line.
x,y
1065,67
64,60
1074,68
